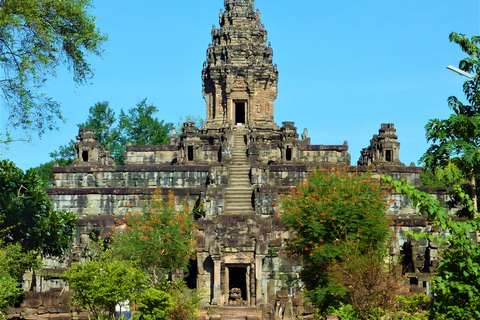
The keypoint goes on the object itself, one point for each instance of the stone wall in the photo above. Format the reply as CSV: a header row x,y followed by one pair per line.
x,y
114,190
243,241
43,305
250,247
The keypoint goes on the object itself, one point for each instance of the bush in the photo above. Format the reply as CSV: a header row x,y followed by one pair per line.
x,y
100,286
158,240
13,265
332,211
10,292
155,304
186,300
344,311
414,304
367,282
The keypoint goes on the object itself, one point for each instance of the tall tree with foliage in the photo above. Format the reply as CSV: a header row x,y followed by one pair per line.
x,y
333,210
14,262
29,228
159,239
140,126
27,216
36,37
456,140
444,177
101,118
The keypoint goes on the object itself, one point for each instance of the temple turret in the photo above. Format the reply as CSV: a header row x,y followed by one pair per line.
x,y
384,148
239,78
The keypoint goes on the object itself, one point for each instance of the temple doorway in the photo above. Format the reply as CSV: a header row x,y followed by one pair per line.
x,y
238,279
240,113
191,277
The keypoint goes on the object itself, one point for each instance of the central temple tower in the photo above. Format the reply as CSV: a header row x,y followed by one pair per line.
x,y
239,78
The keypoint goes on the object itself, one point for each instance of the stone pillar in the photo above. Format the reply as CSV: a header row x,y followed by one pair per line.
x,y
288,314
230,113
258,277
200,270
248,272
217,286
252,285
226,288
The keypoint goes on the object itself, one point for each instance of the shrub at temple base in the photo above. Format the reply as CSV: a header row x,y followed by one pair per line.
x,y
100,286
367,281
159,239
155,305
328,214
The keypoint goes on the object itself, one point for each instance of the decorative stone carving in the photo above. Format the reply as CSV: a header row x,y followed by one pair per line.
x,y
384,148
88,151
304,134
242,63
174,138
235,297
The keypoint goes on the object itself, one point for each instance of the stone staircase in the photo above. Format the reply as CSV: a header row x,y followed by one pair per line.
x,y
233,313
238,195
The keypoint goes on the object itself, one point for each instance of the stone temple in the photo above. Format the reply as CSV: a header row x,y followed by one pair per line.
x,y
233,169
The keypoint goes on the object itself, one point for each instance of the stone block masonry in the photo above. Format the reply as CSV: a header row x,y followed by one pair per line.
x,y
234,167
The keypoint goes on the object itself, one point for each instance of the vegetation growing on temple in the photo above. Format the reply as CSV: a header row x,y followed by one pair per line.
x,y
143,259
331,213
29,228
159,240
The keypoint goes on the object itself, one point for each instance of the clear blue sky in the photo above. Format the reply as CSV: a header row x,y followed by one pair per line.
x,y
345,67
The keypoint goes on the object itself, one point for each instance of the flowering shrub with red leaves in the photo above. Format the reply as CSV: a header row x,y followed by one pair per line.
x,y
159,239
331,211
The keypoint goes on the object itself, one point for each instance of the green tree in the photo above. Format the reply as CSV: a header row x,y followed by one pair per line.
x,y
64,155
333,210
45,170
45,173
100,286
456,140
159,239
37,37
140,127
444,177
199,121
13,265
9,292
368,281
101,118
155,304
29,227
456,284
27,216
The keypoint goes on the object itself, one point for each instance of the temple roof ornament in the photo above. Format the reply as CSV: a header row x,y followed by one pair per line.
x,y
384,148
239,77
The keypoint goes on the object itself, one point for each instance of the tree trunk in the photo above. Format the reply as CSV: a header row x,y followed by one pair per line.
x,y
473,195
